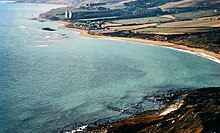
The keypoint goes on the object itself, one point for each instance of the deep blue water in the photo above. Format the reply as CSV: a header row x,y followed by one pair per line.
x,y
55,80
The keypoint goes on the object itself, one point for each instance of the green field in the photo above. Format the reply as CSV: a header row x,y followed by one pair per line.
x,y
196,14
181,27
192,23
174,30
141,20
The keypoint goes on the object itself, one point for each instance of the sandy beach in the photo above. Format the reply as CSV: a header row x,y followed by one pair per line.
x,y
200,52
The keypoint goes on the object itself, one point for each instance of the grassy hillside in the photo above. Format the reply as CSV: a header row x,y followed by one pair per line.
x,y
191,4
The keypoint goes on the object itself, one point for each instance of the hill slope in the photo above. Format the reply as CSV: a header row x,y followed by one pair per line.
x,y
199,113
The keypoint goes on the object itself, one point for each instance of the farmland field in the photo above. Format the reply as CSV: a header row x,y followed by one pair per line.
x,y
174,30
196,14
142,20
133,27
193,23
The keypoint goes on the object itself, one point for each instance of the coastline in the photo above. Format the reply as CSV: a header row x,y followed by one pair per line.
x,y
67,119
183,111
196,51
194,114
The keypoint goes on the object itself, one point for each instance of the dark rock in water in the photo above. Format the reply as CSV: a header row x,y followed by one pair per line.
x,y
42,21
33,18
48,29
165,98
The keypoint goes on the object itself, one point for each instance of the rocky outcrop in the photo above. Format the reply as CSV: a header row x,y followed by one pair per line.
x,y
200,112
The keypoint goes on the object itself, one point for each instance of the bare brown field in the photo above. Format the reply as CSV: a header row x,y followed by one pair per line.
x,y
216,25
112,25
168,16
209,18
184,3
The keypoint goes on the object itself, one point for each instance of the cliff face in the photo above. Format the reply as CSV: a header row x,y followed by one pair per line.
x,y
200,112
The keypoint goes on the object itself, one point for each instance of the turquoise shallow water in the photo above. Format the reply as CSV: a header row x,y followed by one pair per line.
x,y
51,81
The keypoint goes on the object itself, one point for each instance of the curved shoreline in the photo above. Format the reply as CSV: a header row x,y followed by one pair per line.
x,y
195,51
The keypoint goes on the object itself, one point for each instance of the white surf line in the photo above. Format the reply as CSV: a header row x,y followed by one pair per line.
x,y
78,129
40,46
172,107
182,50
198,54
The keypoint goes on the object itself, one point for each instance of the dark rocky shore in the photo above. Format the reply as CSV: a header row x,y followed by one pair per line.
x,y
199,112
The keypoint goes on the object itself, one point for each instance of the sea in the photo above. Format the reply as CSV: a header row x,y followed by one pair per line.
x,y
55,81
